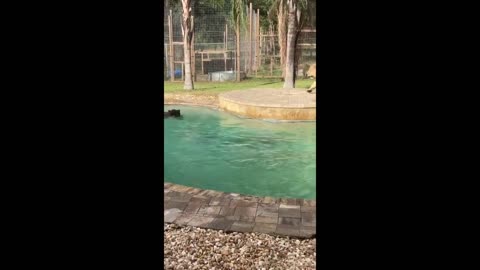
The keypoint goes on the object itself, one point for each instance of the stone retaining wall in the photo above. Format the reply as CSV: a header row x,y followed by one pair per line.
x,y
189,99
264,112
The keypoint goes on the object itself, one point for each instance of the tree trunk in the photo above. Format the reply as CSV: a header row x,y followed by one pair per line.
x,y
282,35
291,38
187,43
298,54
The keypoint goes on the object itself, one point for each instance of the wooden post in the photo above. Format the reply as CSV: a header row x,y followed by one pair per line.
x,y
250,37
257,40
237,57
193,52
170,41
245,38
260,52
203,72
183,70
272,39
255,43
271,66
225,59
165,51
225,46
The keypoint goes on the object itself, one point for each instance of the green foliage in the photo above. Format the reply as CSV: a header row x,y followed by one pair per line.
x,y
176,5
268,10
216,4
203,10
238,13
307,8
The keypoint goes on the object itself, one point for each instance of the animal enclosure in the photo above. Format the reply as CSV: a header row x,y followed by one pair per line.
x,y
214,45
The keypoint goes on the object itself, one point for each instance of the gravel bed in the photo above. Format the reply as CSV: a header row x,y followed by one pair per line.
x,y
196,248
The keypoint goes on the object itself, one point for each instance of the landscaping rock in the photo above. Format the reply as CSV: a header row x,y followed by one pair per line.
x,y
196,248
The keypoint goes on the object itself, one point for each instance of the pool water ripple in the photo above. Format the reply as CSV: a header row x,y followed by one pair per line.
x,y
215,150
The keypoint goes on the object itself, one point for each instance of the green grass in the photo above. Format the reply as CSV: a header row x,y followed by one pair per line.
x,y
219,87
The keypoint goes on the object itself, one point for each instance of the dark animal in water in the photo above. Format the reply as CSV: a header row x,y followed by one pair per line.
x,y
172,113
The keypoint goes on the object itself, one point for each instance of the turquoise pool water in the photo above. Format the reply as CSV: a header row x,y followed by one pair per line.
x,y
211,149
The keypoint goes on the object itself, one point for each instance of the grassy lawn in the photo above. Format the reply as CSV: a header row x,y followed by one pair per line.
x,y
218,87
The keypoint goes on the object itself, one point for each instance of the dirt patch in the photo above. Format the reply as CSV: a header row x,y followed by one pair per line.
x,y
189,99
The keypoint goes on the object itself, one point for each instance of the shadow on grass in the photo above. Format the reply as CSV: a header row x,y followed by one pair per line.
x,y
267,83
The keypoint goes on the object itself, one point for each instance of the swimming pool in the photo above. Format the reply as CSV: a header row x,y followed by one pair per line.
x,y
211,149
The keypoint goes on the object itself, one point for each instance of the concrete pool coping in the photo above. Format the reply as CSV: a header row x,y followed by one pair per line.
x,y
270,103
232,212
289,105
210,101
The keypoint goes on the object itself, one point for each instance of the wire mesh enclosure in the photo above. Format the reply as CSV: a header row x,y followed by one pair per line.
x,y
215,47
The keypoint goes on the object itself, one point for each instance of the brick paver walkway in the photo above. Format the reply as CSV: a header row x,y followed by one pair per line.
x,y
234,212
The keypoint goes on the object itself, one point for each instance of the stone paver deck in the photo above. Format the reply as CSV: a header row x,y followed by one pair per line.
x,y
241,213
272,97
270,103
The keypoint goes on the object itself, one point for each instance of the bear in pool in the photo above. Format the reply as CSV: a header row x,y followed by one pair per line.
x,y
172,113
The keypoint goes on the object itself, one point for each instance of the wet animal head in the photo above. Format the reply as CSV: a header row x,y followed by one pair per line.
x,y
174,113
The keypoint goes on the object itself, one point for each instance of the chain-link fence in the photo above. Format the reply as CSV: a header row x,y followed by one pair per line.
x,y
215,44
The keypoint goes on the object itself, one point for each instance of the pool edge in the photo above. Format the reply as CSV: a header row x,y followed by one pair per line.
x,y
233,212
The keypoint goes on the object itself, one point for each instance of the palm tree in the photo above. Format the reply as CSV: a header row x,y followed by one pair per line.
x,y
296,19
293,20
238,20
278,13
187,31
290,16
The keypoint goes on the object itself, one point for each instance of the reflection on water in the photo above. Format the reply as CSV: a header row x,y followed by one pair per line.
x,y
216,150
